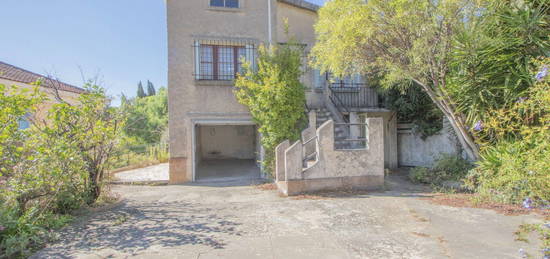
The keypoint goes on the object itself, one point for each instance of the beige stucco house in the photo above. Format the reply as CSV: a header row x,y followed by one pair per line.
x,y
211,134
13,75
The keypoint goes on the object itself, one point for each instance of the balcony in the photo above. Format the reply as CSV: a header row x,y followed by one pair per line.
x,y
354,96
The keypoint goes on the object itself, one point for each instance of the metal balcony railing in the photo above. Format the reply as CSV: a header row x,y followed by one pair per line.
x,y
353,95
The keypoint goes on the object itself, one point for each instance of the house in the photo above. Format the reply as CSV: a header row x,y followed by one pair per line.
x,y
212,136
12,75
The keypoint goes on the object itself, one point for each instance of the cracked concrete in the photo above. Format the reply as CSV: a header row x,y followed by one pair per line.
x,y
208,221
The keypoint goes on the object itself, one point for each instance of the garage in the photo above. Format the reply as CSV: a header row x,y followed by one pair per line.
x,y
226,152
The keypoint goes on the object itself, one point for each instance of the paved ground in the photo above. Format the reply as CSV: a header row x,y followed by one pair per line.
x,y
209,221
157,173
227,169
207,171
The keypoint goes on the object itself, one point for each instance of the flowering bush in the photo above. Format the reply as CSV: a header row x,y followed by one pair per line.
x,y
515,145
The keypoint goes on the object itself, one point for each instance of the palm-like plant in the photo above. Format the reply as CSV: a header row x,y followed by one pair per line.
x,y
493,57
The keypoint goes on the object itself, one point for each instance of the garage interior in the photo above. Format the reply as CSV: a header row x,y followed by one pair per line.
x,y
226,152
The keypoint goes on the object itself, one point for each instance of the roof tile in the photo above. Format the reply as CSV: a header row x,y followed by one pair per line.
x,y
17,74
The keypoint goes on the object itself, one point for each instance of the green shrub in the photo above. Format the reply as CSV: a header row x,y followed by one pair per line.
x,y
420,175
446,168
146,117
515,141
275,96
52,168
414,105
20,236
512,171
136,156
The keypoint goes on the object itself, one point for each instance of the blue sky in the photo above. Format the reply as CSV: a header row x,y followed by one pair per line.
x,y
123,41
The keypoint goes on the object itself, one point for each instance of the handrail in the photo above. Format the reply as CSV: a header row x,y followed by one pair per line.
x,y
347,141
315,154
355,95
338,107
352,124
311,139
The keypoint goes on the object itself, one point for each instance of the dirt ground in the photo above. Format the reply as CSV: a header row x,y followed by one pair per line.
x,y
235,220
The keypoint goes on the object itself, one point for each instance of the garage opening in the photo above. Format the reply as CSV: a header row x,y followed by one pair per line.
x,y
226,153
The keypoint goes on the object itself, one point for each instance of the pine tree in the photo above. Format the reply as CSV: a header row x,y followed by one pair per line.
x,y
150,89
140,91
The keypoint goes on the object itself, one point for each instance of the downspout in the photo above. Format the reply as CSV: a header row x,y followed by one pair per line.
x,y
269,22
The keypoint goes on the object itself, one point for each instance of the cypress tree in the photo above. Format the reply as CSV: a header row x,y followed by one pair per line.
x,y
150,89
123,99
140,91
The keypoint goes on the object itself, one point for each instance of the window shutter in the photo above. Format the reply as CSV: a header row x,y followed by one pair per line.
x,y
197,49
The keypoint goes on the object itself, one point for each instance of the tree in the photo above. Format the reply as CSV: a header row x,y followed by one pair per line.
x,y
123,99
147,118
52,168
93,127
140,91
403,40
150,89
415,106
15,103
274,95
493,57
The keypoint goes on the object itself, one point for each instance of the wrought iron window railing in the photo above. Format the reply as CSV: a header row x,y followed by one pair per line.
x,y
222,59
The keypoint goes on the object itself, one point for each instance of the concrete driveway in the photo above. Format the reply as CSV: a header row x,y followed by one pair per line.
x,y
225,221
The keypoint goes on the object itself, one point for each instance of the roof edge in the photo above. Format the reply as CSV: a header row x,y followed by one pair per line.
x,y
68,87
302,4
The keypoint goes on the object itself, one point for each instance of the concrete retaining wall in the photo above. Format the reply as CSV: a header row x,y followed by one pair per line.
x,y
333,169
415,151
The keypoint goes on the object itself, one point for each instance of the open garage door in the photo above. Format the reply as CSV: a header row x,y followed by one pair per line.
x,y
226,152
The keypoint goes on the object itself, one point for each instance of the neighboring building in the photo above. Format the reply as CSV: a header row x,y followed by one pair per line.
x,y
12,75
211,134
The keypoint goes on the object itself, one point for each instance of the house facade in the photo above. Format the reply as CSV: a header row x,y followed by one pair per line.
x,y
209,130
13,75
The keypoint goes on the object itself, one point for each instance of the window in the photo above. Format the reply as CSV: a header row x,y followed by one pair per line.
x,y
318,79
24,122
225,3
355,80
218,62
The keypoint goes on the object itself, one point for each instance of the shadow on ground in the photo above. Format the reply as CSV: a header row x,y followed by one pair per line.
x,y
131,228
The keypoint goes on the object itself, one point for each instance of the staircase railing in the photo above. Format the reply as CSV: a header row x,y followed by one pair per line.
x,y
342,109
313,156
347,141
354,95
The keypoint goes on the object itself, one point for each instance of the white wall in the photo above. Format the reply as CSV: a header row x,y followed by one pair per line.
x,y
414,151
227,141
